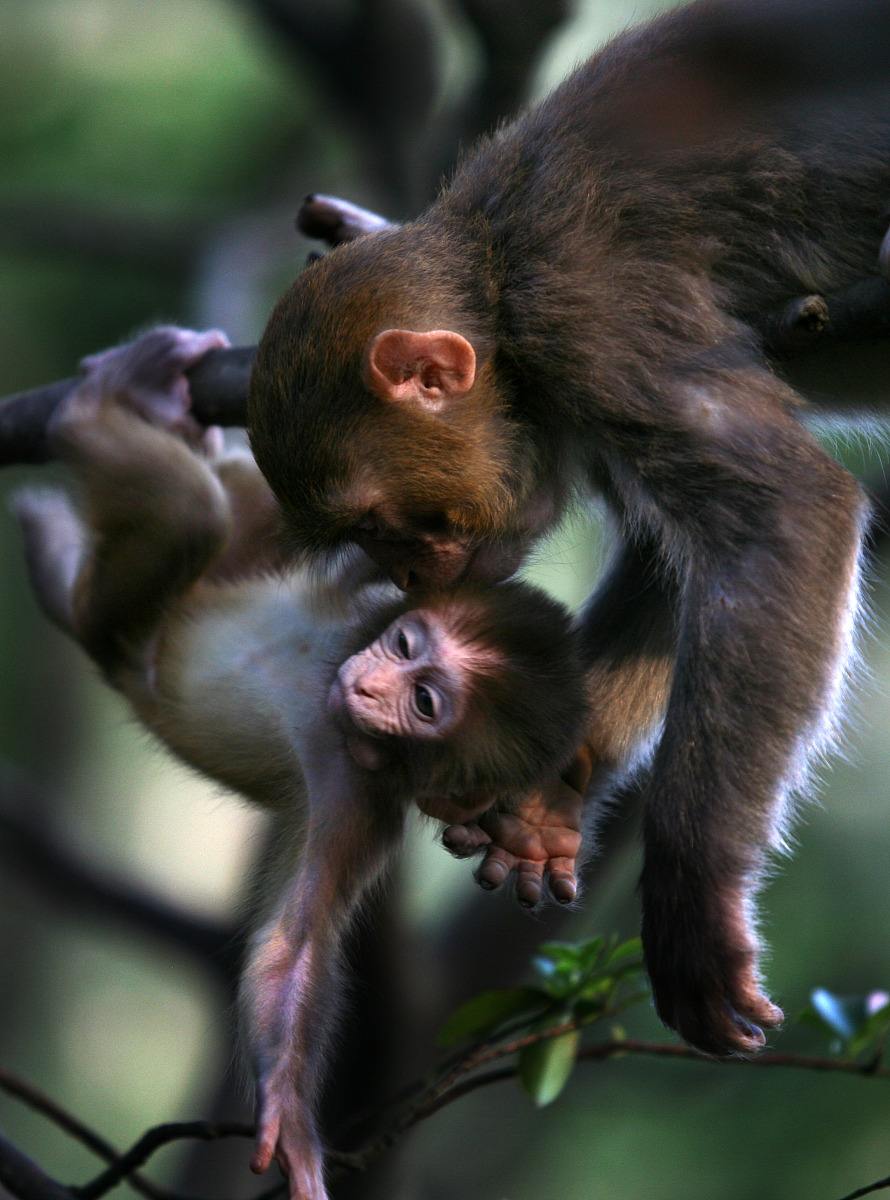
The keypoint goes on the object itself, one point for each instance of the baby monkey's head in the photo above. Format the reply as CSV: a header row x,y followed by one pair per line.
x,y
477,689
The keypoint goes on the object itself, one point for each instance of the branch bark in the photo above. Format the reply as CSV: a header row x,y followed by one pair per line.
x,y
25,1180
31,848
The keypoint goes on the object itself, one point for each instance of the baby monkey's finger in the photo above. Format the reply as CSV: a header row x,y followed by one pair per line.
x,y
463,841
562,880
529,883
495,868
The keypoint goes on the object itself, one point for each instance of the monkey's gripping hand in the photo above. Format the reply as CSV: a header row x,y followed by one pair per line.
x,y
702,959
146,376
539,838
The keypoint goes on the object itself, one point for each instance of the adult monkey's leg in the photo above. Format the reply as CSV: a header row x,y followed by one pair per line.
x,y
765,530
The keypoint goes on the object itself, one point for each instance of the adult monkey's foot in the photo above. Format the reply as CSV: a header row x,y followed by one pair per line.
x,y
539,839
702,957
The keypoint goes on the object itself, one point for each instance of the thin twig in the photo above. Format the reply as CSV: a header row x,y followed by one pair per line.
x,y
23,1178
456,1082
31,846
877,1186
37,1100
153,1139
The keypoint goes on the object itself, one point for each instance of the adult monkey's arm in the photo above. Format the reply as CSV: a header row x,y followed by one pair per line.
x,y
219,382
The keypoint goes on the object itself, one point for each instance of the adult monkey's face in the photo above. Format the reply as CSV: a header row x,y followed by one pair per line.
x,y
393,439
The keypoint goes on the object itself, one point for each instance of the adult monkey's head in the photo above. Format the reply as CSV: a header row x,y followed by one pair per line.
x,y
380,416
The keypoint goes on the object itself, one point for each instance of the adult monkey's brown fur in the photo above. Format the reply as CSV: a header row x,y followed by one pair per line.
x,y
575,310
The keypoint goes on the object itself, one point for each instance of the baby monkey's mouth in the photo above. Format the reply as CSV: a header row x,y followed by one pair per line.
x,y
363,747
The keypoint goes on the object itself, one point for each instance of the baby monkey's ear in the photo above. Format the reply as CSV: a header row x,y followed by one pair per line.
x,y
426,369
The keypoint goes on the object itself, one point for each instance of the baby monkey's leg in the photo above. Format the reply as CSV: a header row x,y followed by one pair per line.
x,y
154,512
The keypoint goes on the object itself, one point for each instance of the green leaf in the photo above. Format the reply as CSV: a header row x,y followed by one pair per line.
x,y
873,1033
632,948
545,1066
562,953
590,952
558,975
487,1011
857,1021
844,1015
587,1008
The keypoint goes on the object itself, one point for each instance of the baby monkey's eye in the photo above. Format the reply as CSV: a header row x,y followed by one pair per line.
x,y
402,645
424,702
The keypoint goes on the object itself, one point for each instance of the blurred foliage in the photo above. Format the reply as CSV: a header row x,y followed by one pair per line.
x,y
588,984
152,155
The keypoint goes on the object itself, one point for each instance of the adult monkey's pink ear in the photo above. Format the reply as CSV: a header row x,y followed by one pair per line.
x,y
422,368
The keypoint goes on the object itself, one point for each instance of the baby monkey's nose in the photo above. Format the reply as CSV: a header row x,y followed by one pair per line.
x,y
373,685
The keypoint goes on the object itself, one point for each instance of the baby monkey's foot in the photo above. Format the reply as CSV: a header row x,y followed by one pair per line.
x,y
282,1137
539,839
146,376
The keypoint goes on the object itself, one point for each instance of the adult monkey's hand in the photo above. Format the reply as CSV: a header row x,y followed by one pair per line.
x,y
539,838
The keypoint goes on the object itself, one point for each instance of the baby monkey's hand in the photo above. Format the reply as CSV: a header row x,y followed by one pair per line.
x,y
539,838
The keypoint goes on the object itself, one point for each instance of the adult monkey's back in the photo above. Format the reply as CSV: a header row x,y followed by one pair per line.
x,y
576,309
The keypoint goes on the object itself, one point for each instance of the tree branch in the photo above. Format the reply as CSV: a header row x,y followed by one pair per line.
x,y
458,1079
30,847
336,221
219,382
23,1178
153,1139
12,1085
869,1188
219,397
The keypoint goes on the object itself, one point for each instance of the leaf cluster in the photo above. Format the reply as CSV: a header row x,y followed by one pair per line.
x,y
576,984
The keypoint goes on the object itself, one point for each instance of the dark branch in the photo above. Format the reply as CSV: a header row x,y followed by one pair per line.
x,y
219,397
26,1181
154,1139
878,1186
219,382
47,1107
336,221
30,847
23,1178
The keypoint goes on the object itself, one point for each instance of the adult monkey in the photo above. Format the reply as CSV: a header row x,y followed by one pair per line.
x,y
577,310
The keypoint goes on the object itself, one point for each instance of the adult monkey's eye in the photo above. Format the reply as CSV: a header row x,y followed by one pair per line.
x,y
433,523
424,702
402,645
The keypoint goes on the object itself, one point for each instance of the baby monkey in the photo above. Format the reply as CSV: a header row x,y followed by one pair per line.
x,y
333,702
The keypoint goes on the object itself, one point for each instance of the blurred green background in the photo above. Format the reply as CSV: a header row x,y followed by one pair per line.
x,y
153,158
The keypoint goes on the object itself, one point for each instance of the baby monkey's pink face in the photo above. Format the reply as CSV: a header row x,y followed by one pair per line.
x,y
410,682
